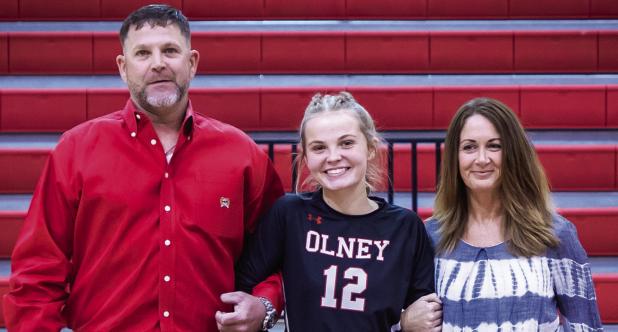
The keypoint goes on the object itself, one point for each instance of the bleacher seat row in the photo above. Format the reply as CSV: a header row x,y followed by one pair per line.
x,y
559,47
22,166
280,108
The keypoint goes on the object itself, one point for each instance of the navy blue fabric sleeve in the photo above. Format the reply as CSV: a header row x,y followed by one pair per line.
x,y
422,282
263,252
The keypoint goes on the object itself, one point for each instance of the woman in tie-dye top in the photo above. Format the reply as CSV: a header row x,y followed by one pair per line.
x,y
504,260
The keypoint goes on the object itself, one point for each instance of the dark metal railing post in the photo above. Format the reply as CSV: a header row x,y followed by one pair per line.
x,y
414,178
271,151
294,168
438,162
391,191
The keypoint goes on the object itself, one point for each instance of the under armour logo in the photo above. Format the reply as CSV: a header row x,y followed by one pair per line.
x,y
224,202
318,219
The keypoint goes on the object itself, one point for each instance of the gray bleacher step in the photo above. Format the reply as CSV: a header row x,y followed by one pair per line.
x,y
575,137
5,267
600,265
337,25
15,202
561,199
21,202
28,141
541,137
336,80
538,136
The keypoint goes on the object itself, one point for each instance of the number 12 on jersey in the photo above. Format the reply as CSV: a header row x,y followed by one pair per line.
x,y
356,285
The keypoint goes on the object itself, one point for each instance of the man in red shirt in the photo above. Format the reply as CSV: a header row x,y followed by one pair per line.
x,y
140,215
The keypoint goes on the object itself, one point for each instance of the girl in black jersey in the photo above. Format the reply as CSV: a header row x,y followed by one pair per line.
x,y
349,261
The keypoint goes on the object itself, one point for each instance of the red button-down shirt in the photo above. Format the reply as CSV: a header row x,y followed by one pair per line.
x,y
117,238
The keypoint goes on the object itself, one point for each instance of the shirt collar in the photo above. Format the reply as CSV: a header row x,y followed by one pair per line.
x,y
136,119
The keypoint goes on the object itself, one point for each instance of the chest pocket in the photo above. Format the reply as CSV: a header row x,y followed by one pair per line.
x,y
219,207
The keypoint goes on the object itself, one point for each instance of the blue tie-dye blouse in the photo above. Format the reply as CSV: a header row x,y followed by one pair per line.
x,y
488,289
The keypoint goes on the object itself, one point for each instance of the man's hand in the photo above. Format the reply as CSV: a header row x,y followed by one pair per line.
x,y
248,314
425,314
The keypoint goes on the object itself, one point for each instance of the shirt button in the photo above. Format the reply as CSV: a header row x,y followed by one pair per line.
x,y
166,314
153,141
133,134
138,116
188,138
167,243
166,278
167,208
166,175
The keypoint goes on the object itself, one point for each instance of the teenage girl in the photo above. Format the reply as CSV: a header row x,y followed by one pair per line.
x,y
349,261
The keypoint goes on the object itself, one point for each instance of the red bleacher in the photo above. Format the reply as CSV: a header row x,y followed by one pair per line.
x,y
395,108
21,167
10,223
593,225
563,164
280,108
606,286
343,51
4,288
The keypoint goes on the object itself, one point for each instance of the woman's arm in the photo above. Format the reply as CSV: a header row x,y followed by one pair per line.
x,y
572,279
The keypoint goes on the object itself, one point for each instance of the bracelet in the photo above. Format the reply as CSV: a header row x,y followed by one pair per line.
x,y
271,314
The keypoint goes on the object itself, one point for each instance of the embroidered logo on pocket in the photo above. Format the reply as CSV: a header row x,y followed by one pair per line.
x,y
224,202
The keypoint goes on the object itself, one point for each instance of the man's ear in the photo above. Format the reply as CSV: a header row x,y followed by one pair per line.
x,y
193,61
122,67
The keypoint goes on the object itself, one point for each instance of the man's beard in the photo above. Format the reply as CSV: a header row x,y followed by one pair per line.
x,y
159,101
155,101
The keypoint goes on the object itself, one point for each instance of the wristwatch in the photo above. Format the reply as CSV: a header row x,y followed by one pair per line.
x,y
271,314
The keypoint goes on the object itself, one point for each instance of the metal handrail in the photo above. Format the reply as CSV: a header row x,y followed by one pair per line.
x,y
391,138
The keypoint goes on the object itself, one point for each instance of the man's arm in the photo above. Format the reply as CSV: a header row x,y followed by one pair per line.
x,y
249,312
40,263
265,188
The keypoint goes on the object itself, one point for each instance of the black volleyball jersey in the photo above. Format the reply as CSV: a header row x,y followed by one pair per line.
x,y
340,272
